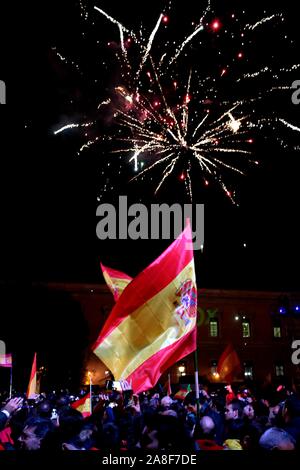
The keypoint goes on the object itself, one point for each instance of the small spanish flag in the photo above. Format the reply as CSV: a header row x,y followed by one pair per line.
x,y
5,360
83,405
153,323
116,280
182,393
32,388
229,364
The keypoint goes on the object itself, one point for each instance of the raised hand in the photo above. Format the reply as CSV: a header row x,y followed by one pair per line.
x,y
13,405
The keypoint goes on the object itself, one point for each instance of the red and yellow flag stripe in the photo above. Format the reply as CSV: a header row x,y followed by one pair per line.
x,y
5,360
83,405
153,324
32,386
116,280
229,364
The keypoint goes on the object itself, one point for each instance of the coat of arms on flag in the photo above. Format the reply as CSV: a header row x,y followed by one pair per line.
x,y
187,306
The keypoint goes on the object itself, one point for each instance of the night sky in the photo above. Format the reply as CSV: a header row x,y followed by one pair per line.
x,y
49,194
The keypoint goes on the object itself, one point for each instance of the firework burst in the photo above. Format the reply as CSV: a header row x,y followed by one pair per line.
x,y
170,122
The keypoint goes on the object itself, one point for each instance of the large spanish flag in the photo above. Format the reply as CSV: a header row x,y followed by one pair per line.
x,y
116,280
32,386
229,364
153,323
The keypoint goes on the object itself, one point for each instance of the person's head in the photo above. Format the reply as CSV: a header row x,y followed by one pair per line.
x,y
166,402
70,423
110,436
274,414
207,425
87,431
82,441
234,410
169,412
62,401
190,399
171,434
250,437
154,402
17,423
249,412
291,408
149,438
277,439
34,432
44,409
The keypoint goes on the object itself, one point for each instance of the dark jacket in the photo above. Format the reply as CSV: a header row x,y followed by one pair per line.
x,y
3,420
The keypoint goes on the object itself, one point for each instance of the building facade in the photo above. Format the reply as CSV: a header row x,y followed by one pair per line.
x,y
261,326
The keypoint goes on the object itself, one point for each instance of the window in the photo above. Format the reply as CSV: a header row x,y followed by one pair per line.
x,y
182,369
277,331
279,370
248,371
246,329
213,328
213,368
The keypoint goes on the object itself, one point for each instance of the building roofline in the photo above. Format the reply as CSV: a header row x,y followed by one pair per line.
x,y
77,287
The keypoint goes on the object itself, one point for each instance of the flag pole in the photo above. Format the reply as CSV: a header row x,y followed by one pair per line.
x,y
10,380
91,405
197,382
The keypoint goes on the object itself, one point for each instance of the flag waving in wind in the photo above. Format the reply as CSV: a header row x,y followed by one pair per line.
x,y
153,323
229,364
182,393
32,389
5,360
116,280
83,405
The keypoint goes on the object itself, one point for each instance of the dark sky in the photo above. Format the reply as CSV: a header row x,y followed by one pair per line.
x,y
49,195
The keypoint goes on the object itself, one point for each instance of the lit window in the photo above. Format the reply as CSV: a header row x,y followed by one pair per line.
x,y
213,328
277,331
246,329
248,372
213,368
182,370
279,370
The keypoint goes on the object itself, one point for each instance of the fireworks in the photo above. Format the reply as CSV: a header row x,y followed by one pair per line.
x,y
179,121
72,126
291,126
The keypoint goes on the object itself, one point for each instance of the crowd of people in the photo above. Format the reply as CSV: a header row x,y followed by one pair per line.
x,y
229,418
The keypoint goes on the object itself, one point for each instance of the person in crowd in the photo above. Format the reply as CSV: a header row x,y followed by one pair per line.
x,y
291,417
248,412
11,406
234,419
34,432
225,418
205,434
277,439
